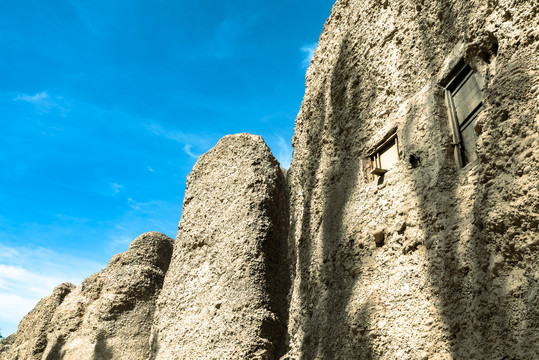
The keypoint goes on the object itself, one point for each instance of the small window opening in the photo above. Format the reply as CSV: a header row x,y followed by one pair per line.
x,y
464,101
384,157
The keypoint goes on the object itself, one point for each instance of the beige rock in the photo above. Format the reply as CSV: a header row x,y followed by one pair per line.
x,y
224,296
456,275
108,316
452,282
30,340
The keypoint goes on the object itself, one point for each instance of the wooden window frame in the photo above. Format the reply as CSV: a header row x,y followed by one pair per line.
x,y
374,157
460,77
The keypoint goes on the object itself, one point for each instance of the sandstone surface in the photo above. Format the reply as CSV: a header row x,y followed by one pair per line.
x,y
456,276
108,316
433,257
224,296
30,340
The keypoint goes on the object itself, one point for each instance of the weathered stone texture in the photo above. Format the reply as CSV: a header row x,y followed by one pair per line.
x,y
30,340
224,296
453,273
109,316
457,276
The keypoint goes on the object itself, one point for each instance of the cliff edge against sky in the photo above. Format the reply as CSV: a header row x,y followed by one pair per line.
x,y
406,228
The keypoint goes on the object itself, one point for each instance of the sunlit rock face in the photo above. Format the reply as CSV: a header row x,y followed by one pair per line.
x,y
456,274
224,295
406,228
108,316
30,340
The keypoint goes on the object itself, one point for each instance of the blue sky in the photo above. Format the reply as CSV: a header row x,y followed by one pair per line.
x,y
106,106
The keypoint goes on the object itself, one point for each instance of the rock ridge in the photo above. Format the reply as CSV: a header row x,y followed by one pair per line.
x,y
432,255
225,293
108,316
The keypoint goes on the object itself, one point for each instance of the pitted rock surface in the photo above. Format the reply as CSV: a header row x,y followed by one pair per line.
x,y
429,261
30,340
457,275
224,295
108,316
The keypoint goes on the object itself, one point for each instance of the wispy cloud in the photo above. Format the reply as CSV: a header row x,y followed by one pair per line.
x,y
39,98
187,150
179,136
174,135
116,187
226,37
133,204
284,152
44,103
121,240
190,141
85,16
143,216
28,274
308,50
34,283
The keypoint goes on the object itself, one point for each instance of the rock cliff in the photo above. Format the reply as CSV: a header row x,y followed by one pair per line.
x,y
31,338
404,229
224,295
456,276
109,316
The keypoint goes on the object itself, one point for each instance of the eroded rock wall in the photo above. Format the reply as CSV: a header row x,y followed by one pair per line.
x,y
224,296
30,340
109,316
457,276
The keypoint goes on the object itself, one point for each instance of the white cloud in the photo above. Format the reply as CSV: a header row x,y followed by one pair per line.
x,y
8,253
38,98
308,50
44,103
12,277
85,17
225,39
174,135
187,149
14,308
223,44
133,204
120,241
28,274
143,216
284,152
116,187
200,141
